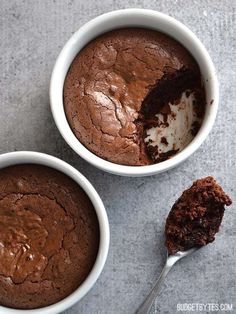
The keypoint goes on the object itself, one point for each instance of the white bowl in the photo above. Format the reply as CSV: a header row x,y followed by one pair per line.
x,y
133,18
15,158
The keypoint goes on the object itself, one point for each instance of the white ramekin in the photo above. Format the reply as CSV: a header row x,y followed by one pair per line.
x,y
133,18
24,157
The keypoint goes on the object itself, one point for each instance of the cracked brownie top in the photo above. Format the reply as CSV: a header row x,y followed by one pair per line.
x,y
114,81
49,236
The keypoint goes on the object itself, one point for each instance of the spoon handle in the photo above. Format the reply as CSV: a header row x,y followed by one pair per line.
x,y
148,302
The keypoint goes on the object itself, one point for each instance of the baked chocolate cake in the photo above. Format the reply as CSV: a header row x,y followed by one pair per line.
x,y
196,216
49,236
125,91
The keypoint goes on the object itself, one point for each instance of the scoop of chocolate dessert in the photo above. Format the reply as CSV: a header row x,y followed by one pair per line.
x,y
196,216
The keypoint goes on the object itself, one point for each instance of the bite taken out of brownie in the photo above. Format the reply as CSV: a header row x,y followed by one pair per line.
x,y
129,88
196,216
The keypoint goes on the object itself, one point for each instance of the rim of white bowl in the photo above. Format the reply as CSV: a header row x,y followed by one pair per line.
x,y
24,157
117,19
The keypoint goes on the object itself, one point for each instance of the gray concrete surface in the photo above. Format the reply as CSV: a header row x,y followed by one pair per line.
x,y
31,36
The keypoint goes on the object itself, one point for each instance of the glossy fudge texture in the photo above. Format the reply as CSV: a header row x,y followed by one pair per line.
x,y
49,236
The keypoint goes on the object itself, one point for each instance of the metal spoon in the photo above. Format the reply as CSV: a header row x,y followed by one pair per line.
x,y
170,261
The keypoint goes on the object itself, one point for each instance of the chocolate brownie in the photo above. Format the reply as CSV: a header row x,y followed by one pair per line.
x,y
49,236
119,83
196,216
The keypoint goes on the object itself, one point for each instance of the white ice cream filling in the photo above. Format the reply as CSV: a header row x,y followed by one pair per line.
x,y
178,133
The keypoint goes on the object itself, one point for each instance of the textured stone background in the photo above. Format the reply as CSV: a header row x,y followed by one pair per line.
x,y
32,34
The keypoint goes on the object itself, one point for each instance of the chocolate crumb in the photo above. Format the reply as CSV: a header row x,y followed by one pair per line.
x,y
195,127
164,140
187,93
